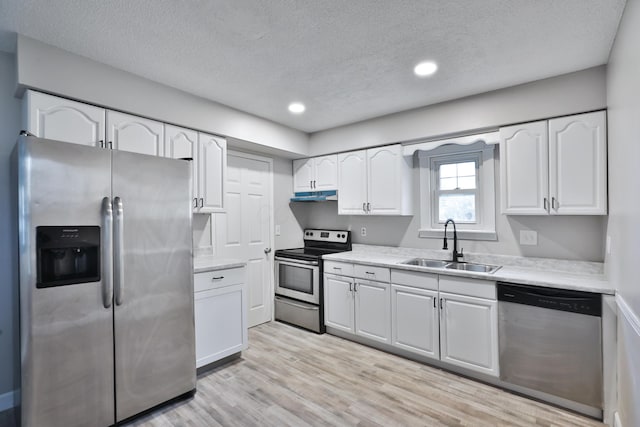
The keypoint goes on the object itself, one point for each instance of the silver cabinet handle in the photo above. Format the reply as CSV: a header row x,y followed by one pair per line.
x,y
101,143
350,287
118,234
267,250
310,184
107,252
364,206
314,184
434,303
545,203
553,203
368,207
355,287
195,203
441,299
369,272
217,278
201,202
111,145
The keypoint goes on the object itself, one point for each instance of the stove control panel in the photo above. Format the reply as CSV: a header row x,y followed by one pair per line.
x,y
336,236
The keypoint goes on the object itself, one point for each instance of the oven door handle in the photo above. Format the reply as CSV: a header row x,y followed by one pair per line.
x,y
290,261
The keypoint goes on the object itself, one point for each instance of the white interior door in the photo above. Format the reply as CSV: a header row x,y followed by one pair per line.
x,y
244,230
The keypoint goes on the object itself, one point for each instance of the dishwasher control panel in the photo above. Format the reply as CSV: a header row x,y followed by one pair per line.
x,y
555,299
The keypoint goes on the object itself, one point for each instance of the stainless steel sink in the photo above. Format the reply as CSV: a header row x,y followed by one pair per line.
x,y
449,265
467,266
423,262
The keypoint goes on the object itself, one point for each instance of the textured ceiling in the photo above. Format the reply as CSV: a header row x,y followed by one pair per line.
x,y
346,60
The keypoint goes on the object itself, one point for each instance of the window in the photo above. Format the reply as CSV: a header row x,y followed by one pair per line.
x,y
457,182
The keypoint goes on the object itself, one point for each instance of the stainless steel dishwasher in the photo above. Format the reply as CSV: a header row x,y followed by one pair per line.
x,y
551,341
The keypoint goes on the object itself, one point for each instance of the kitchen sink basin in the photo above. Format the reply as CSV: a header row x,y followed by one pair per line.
x,y
423,262
467,266
464,266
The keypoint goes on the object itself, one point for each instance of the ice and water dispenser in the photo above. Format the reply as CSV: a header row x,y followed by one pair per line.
x,y
67,255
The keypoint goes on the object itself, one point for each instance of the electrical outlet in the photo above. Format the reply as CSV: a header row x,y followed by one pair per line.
x,y
363,231
277,230
529,237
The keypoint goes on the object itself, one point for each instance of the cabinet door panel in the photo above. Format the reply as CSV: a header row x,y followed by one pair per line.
x,y
135,134
524,169
338,302
373,309
303,175
212,171
414,320
384,178
469,332
326,173
577,164
352,183
181,143
64,120
220,320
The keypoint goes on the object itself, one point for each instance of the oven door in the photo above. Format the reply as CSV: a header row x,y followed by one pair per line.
x,y
298,279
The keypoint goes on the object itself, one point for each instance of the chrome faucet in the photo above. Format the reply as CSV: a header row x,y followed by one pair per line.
x,y
456,255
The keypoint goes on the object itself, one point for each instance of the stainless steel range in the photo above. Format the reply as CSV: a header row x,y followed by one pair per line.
x,y
299,299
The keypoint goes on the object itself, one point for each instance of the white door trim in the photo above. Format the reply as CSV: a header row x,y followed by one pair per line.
x,y
268,160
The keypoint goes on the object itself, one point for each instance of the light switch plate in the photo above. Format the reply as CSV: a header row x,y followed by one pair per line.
x,y
528,237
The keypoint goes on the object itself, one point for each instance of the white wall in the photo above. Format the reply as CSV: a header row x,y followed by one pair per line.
x,y
49,69
9,334
623,99
291,226
567,94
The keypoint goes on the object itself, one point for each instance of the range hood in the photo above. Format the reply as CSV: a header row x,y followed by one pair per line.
x,y
315,196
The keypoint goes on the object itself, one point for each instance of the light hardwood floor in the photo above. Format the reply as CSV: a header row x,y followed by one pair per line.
x,y
290,377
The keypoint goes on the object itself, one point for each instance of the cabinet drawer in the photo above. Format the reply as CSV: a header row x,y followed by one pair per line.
x,y
469,287
339,268
218,279
380,274
415,278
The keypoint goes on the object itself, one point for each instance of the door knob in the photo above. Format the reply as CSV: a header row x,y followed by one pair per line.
x,y
267,250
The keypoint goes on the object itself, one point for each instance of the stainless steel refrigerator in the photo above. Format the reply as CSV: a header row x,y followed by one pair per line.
x,y
106,283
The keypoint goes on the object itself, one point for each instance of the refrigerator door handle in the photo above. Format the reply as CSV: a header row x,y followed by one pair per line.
x,y
107,252
118,251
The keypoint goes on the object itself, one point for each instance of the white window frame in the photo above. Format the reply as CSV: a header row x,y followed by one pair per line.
x,y
485,226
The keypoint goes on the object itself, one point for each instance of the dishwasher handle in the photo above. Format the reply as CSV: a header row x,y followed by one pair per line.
x,y
555,299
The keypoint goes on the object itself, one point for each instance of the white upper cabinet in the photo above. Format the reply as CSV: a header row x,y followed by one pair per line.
x,y
302,175
326,177
524,168
315,174
352,183
181,143
135,134
578,164
376,181
56,118
556,167
212,172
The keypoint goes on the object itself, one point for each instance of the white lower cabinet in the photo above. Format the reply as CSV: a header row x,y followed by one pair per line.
x,y
359,307
469,332
372,311
338,302
415,321
220,314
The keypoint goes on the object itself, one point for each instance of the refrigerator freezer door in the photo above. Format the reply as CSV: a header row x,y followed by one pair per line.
x,y
153,320
66,331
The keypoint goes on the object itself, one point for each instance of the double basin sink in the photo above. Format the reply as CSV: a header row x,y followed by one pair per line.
x,y
450,265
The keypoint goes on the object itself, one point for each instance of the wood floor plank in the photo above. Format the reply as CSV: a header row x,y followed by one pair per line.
x,y
291,377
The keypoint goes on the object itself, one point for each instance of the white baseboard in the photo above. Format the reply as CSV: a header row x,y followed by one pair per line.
x,y
616,420
6,400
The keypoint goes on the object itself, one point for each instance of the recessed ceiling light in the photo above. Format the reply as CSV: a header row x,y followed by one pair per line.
x,y
297,107
426,68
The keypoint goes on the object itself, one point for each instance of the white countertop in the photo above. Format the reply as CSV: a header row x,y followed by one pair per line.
x,y
563,274
202,264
